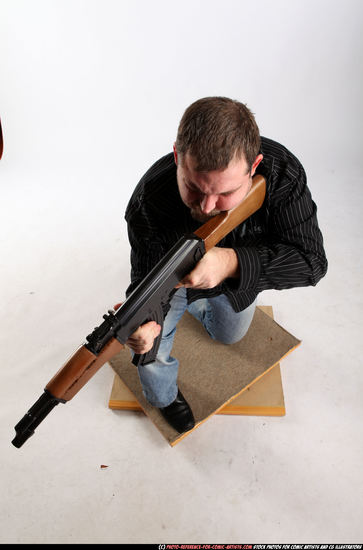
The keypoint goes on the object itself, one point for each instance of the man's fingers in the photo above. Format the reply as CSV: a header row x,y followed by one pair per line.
x,y
189,281
142,340
148,328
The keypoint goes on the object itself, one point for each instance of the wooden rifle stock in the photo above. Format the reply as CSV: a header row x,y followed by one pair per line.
x,y
215,229
83,364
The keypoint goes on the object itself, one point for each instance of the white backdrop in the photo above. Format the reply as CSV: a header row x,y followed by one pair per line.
x,y
87,86
91,92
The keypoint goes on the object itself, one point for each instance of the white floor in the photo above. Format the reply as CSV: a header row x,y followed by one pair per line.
x,y
234,479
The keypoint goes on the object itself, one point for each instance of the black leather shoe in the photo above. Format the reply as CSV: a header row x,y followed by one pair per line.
x,y
179,415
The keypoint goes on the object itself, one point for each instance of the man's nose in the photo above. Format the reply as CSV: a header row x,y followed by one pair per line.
x,y
208,203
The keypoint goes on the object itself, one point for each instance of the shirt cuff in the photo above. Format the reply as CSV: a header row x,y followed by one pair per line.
x,y
250,269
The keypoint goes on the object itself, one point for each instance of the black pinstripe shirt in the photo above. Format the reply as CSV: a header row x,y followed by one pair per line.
x,y
278,247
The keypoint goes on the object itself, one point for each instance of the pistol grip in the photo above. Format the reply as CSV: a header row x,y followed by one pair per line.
x,y
150,356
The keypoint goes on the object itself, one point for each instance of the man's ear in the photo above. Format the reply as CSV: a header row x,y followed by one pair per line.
x,y
255,164
175,154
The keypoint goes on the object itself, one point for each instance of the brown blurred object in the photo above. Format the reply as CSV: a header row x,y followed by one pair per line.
x,y
1,141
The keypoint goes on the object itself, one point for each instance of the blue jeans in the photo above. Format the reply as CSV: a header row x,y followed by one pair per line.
x,y
159,379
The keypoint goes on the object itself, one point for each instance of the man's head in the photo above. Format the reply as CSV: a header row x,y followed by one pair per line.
x,y
217,153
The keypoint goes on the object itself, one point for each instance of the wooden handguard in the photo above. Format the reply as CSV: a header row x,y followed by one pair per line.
x,y
76,372
220,225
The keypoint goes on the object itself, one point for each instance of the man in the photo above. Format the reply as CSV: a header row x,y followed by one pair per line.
x,y
217,152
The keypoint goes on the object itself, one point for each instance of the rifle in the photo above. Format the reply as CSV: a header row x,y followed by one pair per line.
x,y
146,303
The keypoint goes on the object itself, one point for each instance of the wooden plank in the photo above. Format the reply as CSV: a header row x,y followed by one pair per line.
x,y
265,398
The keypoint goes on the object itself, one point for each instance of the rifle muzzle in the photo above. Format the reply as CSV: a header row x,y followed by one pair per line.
x,y
41,408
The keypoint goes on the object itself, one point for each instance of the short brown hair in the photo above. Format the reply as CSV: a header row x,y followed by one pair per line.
x,y
213,130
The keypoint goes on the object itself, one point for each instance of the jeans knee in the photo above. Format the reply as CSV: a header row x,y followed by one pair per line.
x,y
231,338
222,323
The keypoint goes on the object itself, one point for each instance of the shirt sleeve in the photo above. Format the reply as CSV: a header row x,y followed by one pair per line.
x,y
147,247
291,252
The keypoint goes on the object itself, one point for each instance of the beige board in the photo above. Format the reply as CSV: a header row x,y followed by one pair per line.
x,y
242,378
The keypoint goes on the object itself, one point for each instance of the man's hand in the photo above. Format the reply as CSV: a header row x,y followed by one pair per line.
x,y
142,340
216,265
